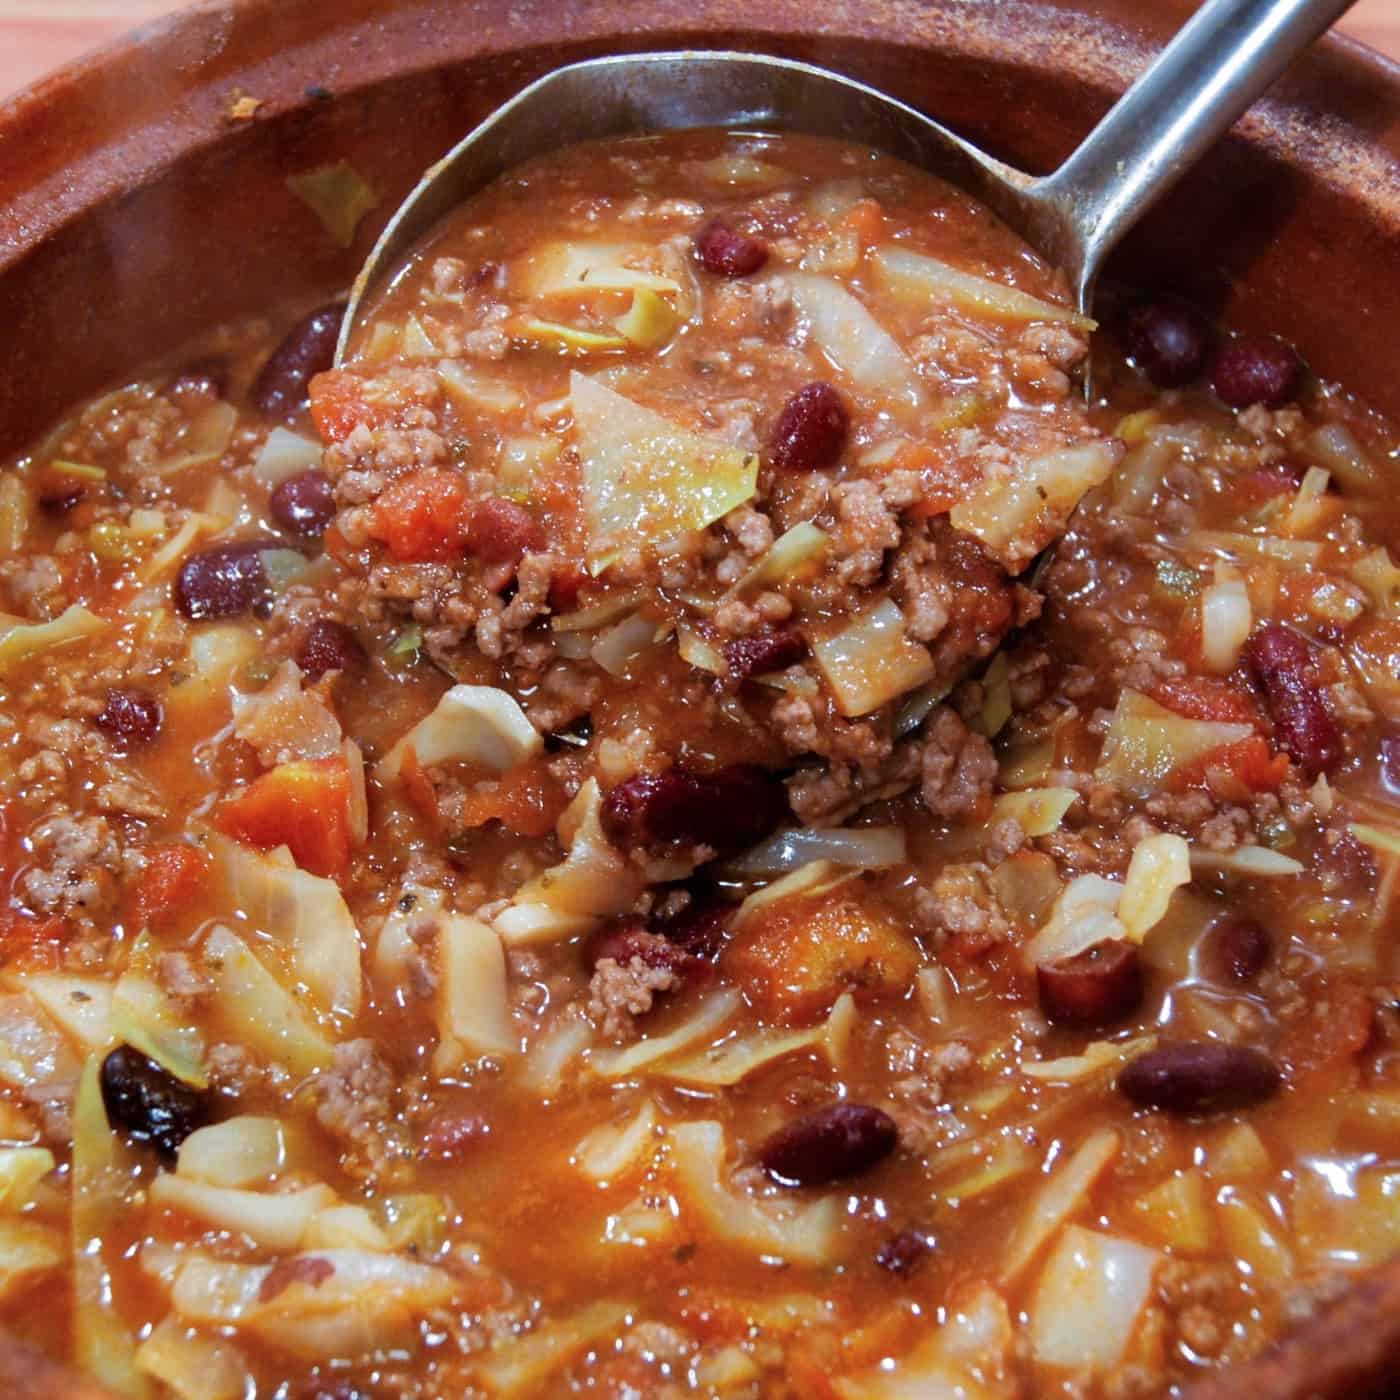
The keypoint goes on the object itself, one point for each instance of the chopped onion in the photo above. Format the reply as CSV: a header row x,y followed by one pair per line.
x,y
478,724
646,480
860,848
1226,620
802,1233
1337,450
1087,1303
853,340
1066,1192
20,640
285,454
872,660
612,1150
918,276
1160,865
1016,515
1146,741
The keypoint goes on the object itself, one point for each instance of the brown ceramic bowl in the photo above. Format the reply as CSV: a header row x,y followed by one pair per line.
x,y
136,210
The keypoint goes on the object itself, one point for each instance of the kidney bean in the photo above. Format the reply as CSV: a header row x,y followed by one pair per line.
x,y
1237,949
901,1254
330,646
447,1135
303,504
701,927
727,253
729,809
1280,660
147,1104
61,501
223,582
764,652
280,390
1101,985
1390,762
811,430
1255,369
1167,341
501,532
629,940
132,715
1205,1076
205,378
842,1140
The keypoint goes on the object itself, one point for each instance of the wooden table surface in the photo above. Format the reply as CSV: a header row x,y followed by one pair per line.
x,y
36,35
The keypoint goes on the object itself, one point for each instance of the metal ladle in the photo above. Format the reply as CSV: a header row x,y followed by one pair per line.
x,y
1225,57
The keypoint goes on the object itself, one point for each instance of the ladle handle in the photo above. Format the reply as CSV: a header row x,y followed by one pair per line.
x,y
1220,61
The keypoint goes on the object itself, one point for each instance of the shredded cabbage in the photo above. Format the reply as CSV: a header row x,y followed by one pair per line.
x,y
473,1001
274,1222
647,481
814,878
1377,573
520,1365
872,660
27,1251
611,1150
244,1150
21,1170
570,340
1257,861
920,277
650,321
796,552
1039,811
20,640
1160,865
282,720
1336,449
860,848
1226,619
285,454
853,340
476,391
645,1053
192,1366
80,1006
478,724
1146,741
1015,516
580,270
145,1018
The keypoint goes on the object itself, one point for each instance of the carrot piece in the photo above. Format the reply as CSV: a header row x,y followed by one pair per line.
x,y
527,800
338,405
303,805
172,880
423,517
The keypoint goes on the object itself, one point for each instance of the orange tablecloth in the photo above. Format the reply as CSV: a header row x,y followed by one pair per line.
x,y
36,35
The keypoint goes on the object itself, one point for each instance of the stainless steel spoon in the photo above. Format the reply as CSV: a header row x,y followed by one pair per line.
x,y
1225,56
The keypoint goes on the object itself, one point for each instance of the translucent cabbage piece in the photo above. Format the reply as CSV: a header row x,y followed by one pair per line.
x,y
368,1301
20,640
1250,861
1096,1060
1066,1192
192,1366
797,552
145,1018
872,661
285,454
613,1149
344,1227
647,1052
473,1001
650,321
1089,1298
1018,515
853,340
285,720
27,1251
920,277
1085,913
858,848
1226,619
1146,741
568,340
81,1006
21,1170
1038,810
1160,865
581,269
801,1232
245,1150
807,881
257,1010
476,391
478,724
646,480
519,1365
301,912
272,1221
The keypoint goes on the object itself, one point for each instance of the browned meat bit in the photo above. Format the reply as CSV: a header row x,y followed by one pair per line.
x,y
80,864
959,767
355,1104
619,992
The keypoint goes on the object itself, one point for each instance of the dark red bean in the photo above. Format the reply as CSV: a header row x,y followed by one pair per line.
x,y
629,940
811,430
205,378
1280,662
147,1104
901,1254
280,390
303,504
1167,341
60,502
701,927
134,716
330,646
1255,369
1205,1076
843,1140
764,652
727,253
1101,985
1390,762
1237,949
222,582
729,809
502,532
449,1135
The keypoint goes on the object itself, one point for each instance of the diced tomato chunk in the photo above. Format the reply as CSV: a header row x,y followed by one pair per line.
x,y
172,880
423,517
866,219
303,805
1249,766
1206,697
338,405
944,480
29,943
527,800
